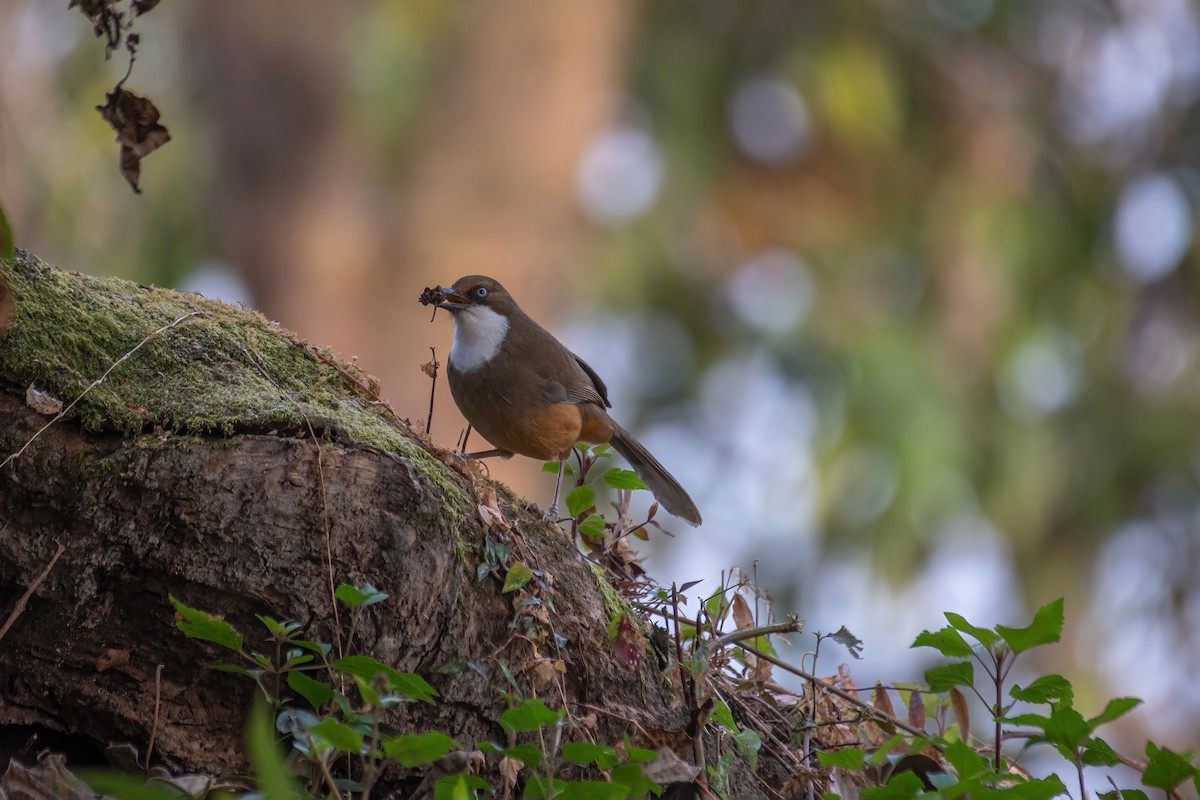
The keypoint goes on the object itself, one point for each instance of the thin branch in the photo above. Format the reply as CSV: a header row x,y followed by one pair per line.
x,y
872,711
795,626
96,383
154,725
19,608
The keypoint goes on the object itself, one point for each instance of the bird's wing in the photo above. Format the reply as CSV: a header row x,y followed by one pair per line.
x,y
573,381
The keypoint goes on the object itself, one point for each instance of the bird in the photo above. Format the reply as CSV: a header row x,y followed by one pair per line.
x,y
528,395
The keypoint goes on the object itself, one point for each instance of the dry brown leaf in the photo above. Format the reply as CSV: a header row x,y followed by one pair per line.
x,y
882,701
42,402
489,509
962,713
135,119
544,670
916,710
510,768
669,768
743,617
761,671
47,779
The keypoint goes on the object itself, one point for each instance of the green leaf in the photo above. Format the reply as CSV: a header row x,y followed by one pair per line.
x,y
723,716
527,753
1099,753
552,467
1032,720
275,781
413,750
966,762
580,500
354,597
901,786
531,715
619,478
518,575
588,753
639,753
1124,794
315,692
1045,689
1034,789
946,641
592,527
1166,769
1067,730
575,790
748,744
6,238
404,683
986,637
337,735
197,624
459,787
944,678
1046,628
634,779
110,783
847,758
279,630
1117,707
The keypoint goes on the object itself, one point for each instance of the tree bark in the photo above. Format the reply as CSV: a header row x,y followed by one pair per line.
x,y
241,515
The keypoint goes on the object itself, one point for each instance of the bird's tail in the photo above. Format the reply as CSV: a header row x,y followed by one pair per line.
x,y
660,482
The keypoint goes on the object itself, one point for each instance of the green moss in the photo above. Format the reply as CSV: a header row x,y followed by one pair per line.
x,y
226,369
614,604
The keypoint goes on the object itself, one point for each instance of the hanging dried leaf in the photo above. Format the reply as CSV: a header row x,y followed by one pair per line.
x,y
135,119
743,617
962,714
916,709
882,701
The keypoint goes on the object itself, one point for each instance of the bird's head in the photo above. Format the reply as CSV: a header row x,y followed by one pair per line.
x,y
474,293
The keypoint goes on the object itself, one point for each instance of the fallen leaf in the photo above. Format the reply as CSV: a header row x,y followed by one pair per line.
x,y
669,768
42,402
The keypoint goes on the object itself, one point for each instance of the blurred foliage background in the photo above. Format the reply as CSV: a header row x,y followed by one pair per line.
x,y
904,292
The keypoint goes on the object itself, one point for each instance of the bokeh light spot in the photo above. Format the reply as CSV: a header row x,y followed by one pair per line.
x,y
769,120
1153,227
771,292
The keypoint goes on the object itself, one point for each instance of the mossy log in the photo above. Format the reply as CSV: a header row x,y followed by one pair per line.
x,y
226,462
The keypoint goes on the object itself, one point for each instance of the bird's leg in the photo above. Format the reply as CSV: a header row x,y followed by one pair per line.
x,y
552,511
505,454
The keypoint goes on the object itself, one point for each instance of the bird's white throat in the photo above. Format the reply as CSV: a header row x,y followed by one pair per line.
x,y
478,334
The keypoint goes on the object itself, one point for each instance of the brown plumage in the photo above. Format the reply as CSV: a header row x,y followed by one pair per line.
x,y
526,393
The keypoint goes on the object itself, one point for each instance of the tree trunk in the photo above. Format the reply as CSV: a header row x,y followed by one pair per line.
x,y
192,470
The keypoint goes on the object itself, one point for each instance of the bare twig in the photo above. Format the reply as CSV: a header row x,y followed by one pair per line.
x,y
96,383
433,370
19,608
829,687
154,725
793,626
345,374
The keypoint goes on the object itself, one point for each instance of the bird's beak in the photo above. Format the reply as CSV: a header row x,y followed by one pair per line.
x,y
452,299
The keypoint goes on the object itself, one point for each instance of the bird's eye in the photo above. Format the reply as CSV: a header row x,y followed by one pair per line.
x,y
481,292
